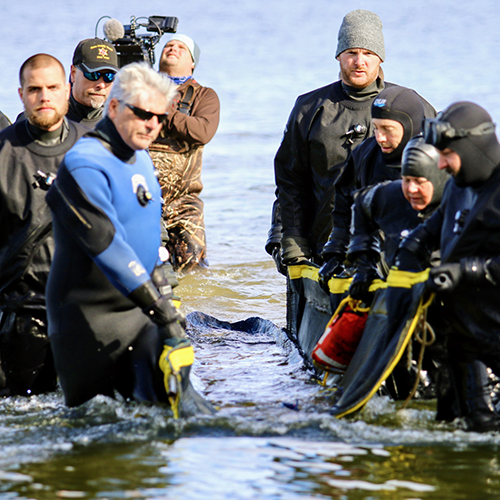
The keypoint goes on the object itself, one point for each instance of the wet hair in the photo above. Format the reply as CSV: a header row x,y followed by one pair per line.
x,y
137,79
39,61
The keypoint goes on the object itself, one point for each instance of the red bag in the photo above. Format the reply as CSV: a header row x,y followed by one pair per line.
x,y
337,345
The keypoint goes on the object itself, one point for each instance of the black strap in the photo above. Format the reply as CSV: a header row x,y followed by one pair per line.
x,y
185,103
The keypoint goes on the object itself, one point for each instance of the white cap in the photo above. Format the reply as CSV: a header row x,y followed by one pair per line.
x,y
190,44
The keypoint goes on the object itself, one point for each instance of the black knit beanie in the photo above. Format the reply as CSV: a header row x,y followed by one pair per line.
x,y
421,160
404,106
479,154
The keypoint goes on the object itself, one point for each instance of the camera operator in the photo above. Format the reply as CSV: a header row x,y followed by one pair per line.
x,y
177,153
95,64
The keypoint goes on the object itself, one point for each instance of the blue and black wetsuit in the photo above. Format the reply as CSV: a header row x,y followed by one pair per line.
x,y
106,209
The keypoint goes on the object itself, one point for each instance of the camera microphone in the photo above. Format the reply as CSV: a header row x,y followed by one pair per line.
x,y
113,30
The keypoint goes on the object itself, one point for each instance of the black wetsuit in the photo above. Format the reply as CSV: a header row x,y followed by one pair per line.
x,y
26,251
320,133
84,115
382,207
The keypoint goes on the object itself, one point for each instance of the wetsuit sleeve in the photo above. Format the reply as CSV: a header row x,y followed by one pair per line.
x,y
276,229
415,251
365,233
341,215
81,202
293,179
200,126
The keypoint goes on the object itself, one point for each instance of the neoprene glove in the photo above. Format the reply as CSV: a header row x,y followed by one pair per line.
x,y
164,313
160,308
365,273
276,254
331,267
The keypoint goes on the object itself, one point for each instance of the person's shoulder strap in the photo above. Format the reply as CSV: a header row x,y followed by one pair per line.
x,y
186,100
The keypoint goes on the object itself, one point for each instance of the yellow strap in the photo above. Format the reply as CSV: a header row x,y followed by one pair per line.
x,y
421,308
303,271
406,279
396,278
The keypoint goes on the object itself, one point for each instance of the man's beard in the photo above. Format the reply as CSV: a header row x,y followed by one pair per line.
x,y
97,101
46,122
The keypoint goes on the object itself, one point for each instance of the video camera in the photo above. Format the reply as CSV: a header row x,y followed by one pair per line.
x,y
133,47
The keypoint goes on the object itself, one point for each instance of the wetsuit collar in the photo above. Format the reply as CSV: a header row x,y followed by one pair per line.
x,y
106,132
46,138
83,112
365,93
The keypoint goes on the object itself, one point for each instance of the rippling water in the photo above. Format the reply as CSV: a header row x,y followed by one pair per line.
x,y
272,436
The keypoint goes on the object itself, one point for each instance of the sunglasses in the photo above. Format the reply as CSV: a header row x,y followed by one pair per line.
x,y
93,76
146,115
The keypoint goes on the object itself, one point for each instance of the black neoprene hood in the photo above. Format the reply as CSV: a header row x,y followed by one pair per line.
x,y
479,154
404,106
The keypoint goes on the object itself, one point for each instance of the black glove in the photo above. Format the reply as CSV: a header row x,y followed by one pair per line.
x,y
164,277
331,267
159,308
365,265
413,253
276,254
163,312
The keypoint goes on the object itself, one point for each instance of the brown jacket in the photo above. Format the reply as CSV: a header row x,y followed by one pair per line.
x,y
198,127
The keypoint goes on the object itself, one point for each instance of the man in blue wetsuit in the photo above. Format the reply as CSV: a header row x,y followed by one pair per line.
x,y
110,309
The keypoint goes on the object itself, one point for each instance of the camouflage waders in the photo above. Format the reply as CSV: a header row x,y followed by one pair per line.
x,y
179,167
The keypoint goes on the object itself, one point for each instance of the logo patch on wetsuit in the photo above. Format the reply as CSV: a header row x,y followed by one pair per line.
x,y
136,268
139,180
141,190
379,103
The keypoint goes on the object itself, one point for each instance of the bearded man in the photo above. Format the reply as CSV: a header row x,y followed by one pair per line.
x,y
30,153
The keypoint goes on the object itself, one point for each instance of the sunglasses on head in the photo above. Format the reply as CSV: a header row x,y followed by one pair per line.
x,y
93,76
146,115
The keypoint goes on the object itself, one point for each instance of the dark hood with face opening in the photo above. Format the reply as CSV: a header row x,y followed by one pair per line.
x,y
404,106
479,154
421,160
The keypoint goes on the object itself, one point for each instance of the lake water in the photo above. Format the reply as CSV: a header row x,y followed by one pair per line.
x,y
272,437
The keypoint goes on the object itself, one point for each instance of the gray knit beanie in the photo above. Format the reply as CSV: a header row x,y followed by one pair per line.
x,y
361,29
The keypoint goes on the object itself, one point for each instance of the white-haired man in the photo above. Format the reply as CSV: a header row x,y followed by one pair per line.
x,y
191,123
110,310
